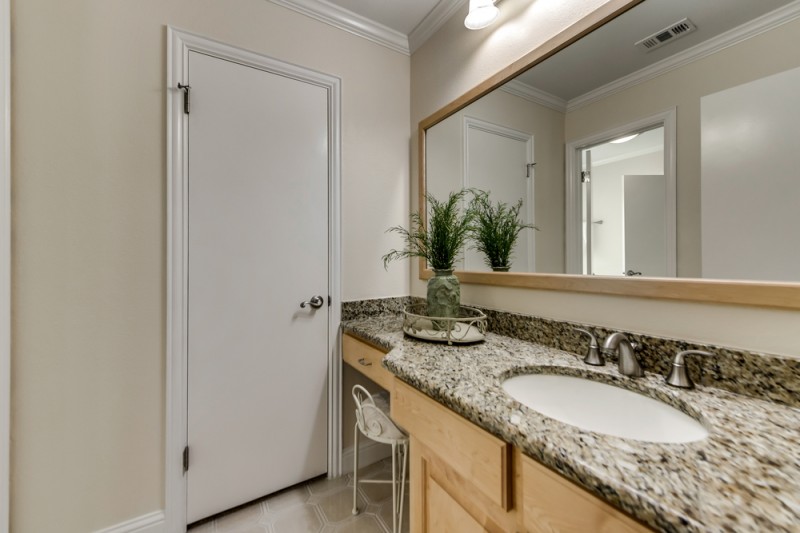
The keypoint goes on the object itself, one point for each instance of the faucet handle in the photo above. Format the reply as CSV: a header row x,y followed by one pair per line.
x,y
678,374
593,356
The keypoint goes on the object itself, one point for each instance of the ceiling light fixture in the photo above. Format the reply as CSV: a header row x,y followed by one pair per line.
x,y
624,139
481,14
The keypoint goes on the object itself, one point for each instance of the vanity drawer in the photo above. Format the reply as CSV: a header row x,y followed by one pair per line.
x,y
475,456
553,503
367,360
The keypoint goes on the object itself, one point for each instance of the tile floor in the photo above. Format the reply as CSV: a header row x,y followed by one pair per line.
x,y
317,506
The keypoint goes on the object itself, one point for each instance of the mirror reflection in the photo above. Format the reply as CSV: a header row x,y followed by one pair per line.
x,y
709,186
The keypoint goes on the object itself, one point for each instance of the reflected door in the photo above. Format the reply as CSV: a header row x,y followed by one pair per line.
x,y
645,242
586,209
498,160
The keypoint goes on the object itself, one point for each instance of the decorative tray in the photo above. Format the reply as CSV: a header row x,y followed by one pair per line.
x,y
468,327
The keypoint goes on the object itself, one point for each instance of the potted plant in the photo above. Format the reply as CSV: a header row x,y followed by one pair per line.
x,y
439,243
495,229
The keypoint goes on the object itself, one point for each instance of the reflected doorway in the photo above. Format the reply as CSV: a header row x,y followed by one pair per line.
x,y
624,223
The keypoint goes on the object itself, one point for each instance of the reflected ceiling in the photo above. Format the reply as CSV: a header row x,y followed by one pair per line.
x,y
585,65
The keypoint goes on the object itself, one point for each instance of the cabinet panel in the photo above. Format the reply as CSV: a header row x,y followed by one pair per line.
x,y
445,514
367,360
470,452
552,503
441,498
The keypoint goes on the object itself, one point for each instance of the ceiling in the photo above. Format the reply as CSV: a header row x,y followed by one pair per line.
x,y
402,25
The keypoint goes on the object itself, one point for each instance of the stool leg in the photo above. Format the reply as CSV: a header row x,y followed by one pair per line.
x,y
394,487
402,485
355,470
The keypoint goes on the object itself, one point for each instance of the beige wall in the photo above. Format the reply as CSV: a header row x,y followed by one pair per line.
x,y
682,88
454,61
89,230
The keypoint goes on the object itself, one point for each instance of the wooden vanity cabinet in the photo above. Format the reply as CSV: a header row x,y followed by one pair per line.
x,y
463,480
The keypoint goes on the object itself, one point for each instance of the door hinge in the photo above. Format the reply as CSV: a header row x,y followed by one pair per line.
x,y
585,175
185,89
528,169
185,459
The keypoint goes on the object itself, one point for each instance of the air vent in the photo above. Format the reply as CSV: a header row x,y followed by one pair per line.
x,y
667,35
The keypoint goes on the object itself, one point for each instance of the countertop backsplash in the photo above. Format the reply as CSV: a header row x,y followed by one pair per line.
x,y
758,375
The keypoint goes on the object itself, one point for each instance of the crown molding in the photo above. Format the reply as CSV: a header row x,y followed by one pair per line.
x,y
434,20
348,21
730,38
532,94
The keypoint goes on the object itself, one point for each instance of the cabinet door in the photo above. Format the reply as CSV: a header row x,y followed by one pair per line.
x,y
551,503
445,514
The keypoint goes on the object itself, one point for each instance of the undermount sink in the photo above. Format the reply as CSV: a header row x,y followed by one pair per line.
x,y
604,408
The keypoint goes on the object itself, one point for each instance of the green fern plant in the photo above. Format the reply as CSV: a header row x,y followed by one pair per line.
x,y
443,240
495,228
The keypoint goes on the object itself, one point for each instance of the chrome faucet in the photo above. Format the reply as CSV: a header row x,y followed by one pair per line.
x,y
678,374
618,343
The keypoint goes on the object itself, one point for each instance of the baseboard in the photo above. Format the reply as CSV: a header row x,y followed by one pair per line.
x,y
369,452
154,522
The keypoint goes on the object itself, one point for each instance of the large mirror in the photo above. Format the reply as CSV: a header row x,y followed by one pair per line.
x,y
663,144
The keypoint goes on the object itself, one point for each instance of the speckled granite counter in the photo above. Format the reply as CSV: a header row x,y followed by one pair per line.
x,y
744,477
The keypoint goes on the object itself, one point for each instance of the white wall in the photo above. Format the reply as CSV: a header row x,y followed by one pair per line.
x,y
454,61
89,231
750,190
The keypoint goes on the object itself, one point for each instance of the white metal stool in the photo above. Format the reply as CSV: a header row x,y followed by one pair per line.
x,y
373,421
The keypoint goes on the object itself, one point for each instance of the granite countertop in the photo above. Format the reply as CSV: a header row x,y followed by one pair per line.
x,y
744,477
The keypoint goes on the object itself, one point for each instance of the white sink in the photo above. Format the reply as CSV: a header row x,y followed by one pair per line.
x,y
604,408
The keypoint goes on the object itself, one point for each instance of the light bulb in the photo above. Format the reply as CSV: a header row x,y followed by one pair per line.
x,y
481,14
624,139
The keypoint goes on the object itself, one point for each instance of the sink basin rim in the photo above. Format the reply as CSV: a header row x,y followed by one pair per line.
x,y
608,410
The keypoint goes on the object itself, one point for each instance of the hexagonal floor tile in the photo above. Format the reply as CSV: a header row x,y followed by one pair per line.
x,y
302,519
323,485
365,523
286,499
241,518
338,506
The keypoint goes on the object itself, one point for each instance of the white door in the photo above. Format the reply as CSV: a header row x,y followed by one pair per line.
x,y
645,222
586,205
496,161
258,246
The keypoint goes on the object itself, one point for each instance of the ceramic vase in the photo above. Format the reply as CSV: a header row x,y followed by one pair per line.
x,y
444,294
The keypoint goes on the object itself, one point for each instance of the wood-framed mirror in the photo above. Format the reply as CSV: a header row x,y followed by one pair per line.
x,y
575,99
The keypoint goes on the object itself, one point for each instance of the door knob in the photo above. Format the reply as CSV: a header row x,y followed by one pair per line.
x,y
315,302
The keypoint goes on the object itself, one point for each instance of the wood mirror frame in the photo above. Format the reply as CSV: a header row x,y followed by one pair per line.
x,y
754,293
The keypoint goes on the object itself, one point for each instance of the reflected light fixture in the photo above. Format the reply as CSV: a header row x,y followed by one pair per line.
x,y
481,14
624,139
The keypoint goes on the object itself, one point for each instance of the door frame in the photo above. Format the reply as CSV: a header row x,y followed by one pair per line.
x,y
179,44
574,229
5,263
